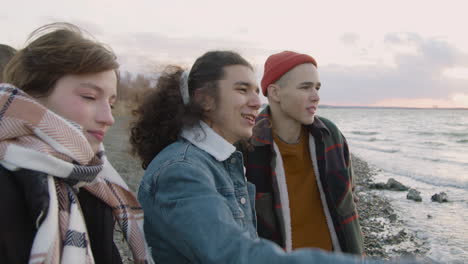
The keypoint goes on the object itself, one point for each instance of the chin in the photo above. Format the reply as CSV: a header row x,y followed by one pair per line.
x,y
94,147
245,136
95,150
308,122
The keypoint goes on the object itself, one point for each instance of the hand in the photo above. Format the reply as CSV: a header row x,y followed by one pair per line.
x,y
355,197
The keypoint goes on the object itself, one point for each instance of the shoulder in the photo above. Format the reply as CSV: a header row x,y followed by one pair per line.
x,y
25,189
8,187
330,126
328,123
179,153
178,163
17,227
4,172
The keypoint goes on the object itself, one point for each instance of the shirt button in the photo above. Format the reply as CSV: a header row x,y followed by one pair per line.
x,y
233,160
242,200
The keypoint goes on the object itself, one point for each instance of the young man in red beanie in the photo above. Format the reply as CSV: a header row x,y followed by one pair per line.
x,y
300,164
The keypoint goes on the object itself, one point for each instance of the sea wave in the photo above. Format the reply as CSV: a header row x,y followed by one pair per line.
x,y
463,141
449,134
456,134
424,133
432,143
368,139
430,179
364,133
384,150
452,162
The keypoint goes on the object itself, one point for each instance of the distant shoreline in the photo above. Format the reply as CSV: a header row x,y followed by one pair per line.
x,y
392,107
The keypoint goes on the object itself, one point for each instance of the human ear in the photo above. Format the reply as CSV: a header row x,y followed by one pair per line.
x,y
208,104
206,101
273,92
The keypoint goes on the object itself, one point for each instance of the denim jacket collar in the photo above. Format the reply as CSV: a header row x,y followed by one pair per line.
x,y
205,138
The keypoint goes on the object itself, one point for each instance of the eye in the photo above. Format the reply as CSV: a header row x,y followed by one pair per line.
x,y
88,97
242,89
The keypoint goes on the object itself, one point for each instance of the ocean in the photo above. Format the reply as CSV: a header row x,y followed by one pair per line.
x,y
425,149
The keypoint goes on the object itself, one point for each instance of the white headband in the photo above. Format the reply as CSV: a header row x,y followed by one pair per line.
x,y
184,87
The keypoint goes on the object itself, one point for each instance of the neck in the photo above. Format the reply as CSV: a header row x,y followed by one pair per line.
x,y
288,129
219,131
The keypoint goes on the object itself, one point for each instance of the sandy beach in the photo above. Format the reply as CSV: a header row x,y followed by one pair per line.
x,y
384,233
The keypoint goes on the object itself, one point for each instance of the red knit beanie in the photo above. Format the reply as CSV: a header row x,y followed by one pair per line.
x,y
280,63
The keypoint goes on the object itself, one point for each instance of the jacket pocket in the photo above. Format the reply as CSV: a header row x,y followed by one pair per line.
x,y
340,191
346,206
231,200
251,195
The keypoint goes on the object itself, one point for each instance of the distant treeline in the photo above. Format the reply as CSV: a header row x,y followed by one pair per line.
x,y
131,90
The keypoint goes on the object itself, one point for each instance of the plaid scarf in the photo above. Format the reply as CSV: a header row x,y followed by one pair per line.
x,y
35,138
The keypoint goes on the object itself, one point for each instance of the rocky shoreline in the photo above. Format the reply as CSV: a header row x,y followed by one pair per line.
x,y
385,235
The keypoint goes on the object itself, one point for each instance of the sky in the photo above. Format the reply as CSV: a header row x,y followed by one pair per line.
x,y
369,52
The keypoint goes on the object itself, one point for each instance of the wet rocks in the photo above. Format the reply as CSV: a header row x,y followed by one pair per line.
x,y
379,186
414,195
440,197
384,233
391,184
392,218
396,185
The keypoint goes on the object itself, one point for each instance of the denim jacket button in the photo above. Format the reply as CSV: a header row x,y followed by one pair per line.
x,y
242,200
233,160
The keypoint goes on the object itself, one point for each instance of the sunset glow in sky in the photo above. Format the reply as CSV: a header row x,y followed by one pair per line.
x,y
380,53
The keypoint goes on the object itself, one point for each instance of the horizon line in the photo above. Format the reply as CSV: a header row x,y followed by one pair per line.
x,y
393,107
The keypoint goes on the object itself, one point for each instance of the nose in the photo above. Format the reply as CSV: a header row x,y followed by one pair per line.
x,y
315,97
254,101
104,114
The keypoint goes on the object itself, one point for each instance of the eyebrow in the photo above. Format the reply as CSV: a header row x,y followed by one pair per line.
x,y
243,83
95,87
248,84
310,84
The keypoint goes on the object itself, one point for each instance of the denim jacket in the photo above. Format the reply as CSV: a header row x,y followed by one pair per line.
x,y
199,207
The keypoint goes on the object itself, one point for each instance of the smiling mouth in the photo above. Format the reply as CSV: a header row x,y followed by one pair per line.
x,y
249,117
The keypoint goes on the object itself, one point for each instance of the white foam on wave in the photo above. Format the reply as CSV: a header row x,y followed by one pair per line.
x,y
432,179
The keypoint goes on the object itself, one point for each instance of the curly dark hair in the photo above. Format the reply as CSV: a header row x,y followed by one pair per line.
x,y
162,115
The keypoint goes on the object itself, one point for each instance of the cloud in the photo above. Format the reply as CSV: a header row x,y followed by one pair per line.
x,y
138,51
90,27
416,78
419,74
349,38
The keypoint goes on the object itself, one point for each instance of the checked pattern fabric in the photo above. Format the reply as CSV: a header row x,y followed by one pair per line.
x,y
35,138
